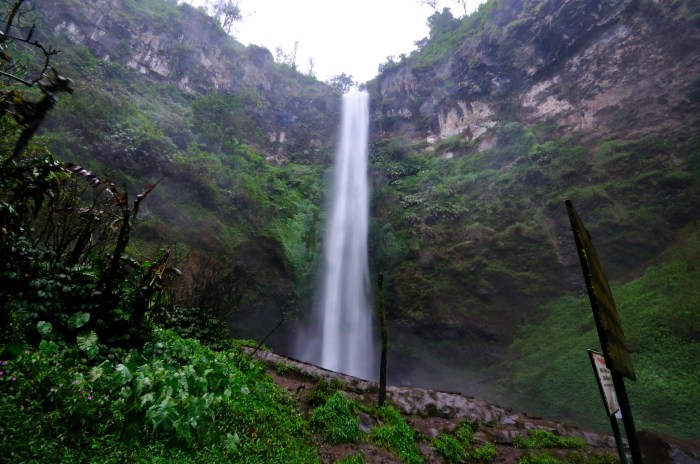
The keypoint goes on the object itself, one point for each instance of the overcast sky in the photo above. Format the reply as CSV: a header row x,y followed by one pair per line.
x,y
353,37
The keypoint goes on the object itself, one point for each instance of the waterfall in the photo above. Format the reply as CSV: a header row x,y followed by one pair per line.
x,y
340,336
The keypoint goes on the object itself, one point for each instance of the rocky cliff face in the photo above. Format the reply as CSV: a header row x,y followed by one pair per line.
x,y
483,133
606,68
180,45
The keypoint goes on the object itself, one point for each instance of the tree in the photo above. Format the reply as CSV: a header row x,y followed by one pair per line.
x,y
227,12
312,65
220,119
464,4
442,23
18,31
48,228
342,82
290,59
431,3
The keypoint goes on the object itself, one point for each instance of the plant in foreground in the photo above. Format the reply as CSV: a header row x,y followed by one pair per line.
x,y
337,420
352,459
541,458
484,453
396,435
539,438
449,448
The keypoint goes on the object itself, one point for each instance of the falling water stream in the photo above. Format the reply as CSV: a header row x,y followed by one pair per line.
x,y
341,337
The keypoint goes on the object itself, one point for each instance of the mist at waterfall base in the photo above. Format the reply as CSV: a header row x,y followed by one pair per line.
x,y
340,335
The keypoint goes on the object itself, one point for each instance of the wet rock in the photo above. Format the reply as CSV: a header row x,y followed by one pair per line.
x,y
658,448
365,424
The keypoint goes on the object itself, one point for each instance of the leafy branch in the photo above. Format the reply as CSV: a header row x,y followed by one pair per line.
x,y
28,113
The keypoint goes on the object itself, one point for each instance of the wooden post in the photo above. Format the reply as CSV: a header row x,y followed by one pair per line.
x,y
608,325
382,327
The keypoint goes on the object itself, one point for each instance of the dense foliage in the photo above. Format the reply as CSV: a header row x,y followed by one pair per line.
x,y
172,401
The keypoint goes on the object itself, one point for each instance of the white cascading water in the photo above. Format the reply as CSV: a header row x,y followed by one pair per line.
x,y
341,337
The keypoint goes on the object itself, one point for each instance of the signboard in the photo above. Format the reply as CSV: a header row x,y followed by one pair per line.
x,y
617,356
605,382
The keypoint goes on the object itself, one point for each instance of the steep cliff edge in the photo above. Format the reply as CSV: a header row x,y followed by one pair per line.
x,y
605,68
177,44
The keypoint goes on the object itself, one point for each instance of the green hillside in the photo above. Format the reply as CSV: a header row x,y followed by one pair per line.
x,y
549,369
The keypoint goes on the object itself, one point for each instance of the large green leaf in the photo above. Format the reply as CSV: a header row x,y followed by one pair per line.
x,y
44,328
11,351
163,414
78,320
124,372
48,347
87,341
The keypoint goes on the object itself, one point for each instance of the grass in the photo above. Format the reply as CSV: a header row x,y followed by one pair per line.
x,y
662,330
336,420
455,447
396,435
352,459
450,448
538,438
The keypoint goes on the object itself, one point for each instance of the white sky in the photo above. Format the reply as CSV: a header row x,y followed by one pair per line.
x,y
353,36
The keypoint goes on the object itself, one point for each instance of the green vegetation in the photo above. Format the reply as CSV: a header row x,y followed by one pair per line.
x,y
479,243
484,453
661,331
129,405
449,448
538,438
538,458
353,459
86,373
322,390
543,458
218,200
337,420
396,435
455,447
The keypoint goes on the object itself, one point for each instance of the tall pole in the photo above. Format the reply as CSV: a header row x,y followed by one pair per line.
x,y
382,325
627,420
618,439
608,325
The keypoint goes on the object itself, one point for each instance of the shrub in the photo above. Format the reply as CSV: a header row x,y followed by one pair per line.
x,y
464,433
352,459
337,420
396,435
538,459
483,454
322,390
449,448
539,438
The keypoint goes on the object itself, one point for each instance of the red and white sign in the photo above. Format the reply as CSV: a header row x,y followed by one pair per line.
x,y
605,382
